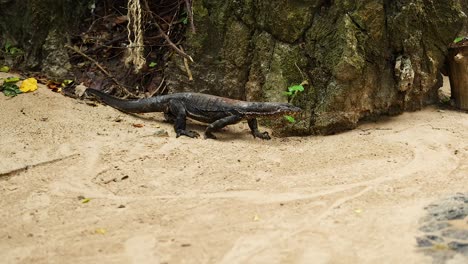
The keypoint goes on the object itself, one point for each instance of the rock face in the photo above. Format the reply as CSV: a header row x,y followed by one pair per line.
x,y
444,230
41,29
360,58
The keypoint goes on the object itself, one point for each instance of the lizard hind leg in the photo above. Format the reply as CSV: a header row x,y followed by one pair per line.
x,y
220,123
179,116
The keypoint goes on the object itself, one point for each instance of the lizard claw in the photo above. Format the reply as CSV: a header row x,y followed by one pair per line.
x,y
264,135
191,134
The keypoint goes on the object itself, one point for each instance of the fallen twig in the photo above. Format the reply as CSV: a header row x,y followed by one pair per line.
x,y
376,128
110,180
157,89
108,44
77,50
11,173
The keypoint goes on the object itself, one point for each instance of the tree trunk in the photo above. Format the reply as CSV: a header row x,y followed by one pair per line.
x,y
458,73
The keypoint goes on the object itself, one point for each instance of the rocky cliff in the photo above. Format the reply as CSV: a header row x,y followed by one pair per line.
x,y
361,58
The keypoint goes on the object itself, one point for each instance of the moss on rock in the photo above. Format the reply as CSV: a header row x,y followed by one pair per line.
x,y
286,64
285,20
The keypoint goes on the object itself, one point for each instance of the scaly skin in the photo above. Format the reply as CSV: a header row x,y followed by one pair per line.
x,y
217,111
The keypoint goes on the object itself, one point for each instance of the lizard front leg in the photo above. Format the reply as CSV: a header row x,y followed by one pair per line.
x,y
254,129
220,123
177,109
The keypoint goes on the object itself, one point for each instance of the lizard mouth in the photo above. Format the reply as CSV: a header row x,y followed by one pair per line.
x,y
290,110
272,110
287,109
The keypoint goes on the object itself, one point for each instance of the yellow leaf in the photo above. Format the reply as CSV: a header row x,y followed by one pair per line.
x,y
440,247
358,211
101,231
86,200
28,85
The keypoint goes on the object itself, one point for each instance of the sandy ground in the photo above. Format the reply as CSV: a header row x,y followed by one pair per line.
x,y
356,197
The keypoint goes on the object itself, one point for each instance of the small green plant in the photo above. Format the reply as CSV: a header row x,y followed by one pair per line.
x,y
12,50
459,39
184,18
290,119
10,89
4,69
292,92
152,64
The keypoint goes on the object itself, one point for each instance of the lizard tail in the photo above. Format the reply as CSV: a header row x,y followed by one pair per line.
x,y
145,105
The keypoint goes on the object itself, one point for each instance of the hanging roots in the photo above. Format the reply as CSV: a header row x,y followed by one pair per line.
x,y
135,54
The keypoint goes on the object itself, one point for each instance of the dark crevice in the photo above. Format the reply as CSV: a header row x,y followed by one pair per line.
x,y
363,30
249,62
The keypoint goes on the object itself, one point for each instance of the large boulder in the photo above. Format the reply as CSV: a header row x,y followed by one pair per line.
x,y
361,58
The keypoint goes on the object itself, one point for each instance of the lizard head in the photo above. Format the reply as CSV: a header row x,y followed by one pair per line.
x,y
272,109
288,109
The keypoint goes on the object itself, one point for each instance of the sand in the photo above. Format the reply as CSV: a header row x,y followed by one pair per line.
x,y
83,184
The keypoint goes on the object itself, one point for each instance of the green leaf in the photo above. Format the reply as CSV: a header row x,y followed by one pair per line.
x,y
86,200
4,69
296,88
287,93
185,20
152,64
10,89
290,119
458,39
7,46
66,82
12,80
14,51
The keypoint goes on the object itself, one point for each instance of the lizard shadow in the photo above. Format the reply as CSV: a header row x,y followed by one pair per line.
x,y
223,135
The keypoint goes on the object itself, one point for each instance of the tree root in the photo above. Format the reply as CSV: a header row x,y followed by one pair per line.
x,y
166,37
187,69
188,6
158,90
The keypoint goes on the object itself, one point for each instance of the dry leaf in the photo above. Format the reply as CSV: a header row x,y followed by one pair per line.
x,y
54,86
101,231
80,89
